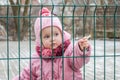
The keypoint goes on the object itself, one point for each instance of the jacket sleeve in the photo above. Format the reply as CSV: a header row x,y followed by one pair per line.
x,y
28,72
77,57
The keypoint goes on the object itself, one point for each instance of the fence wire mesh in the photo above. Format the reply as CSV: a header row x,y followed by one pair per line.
x,y
99,18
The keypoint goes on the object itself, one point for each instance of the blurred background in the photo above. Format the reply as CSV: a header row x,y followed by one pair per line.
x,y
98,18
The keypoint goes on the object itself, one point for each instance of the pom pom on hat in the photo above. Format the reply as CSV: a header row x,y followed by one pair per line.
x,y
44,12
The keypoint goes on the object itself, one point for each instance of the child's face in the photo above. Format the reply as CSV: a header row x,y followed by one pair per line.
x,y
51,37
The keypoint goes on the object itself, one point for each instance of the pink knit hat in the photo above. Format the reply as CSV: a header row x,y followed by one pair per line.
x,y
45,20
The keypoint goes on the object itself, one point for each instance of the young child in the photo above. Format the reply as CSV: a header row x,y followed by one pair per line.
x,y
56,58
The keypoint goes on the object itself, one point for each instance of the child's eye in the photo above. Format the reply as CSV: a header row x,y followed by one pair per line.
x,y
47,36
56,34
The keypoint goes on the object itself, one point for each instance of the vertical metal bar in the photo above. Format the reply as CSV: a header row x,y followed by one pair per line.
x,y
116,7
40,17
104,15
18,18
30,6
95,40
63,38
84,23
73,36
52,38
7,41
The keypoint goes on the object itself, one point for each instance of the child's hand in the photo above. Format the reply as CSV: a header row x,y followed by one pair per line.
x,y
84,43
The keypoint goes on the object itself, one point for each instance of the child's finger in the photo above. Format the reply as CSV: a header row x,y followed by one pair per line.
x,y
85,44
81,40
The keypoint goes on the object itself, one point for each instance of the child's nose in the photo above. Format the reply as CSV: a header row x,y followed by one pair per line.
x,y
53,38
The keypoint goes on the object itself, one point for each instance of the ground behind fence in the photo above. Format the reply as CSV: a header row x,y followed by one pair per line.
x,y
104,64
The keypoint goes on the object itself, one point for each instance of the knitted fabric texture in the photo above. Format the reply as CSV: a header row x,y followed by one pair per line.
x,y
48,53
46,19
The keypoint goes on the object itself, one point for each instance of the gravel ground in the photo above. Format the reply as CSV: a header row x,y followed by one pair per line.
x,y
104,63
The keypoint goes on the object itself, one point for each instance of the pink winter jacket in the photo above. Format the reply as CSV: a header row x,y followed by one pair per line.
x,y
65,68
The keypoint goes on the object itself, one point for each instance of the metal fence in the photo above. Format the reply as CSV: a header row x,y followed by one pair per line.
x,y
79,18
